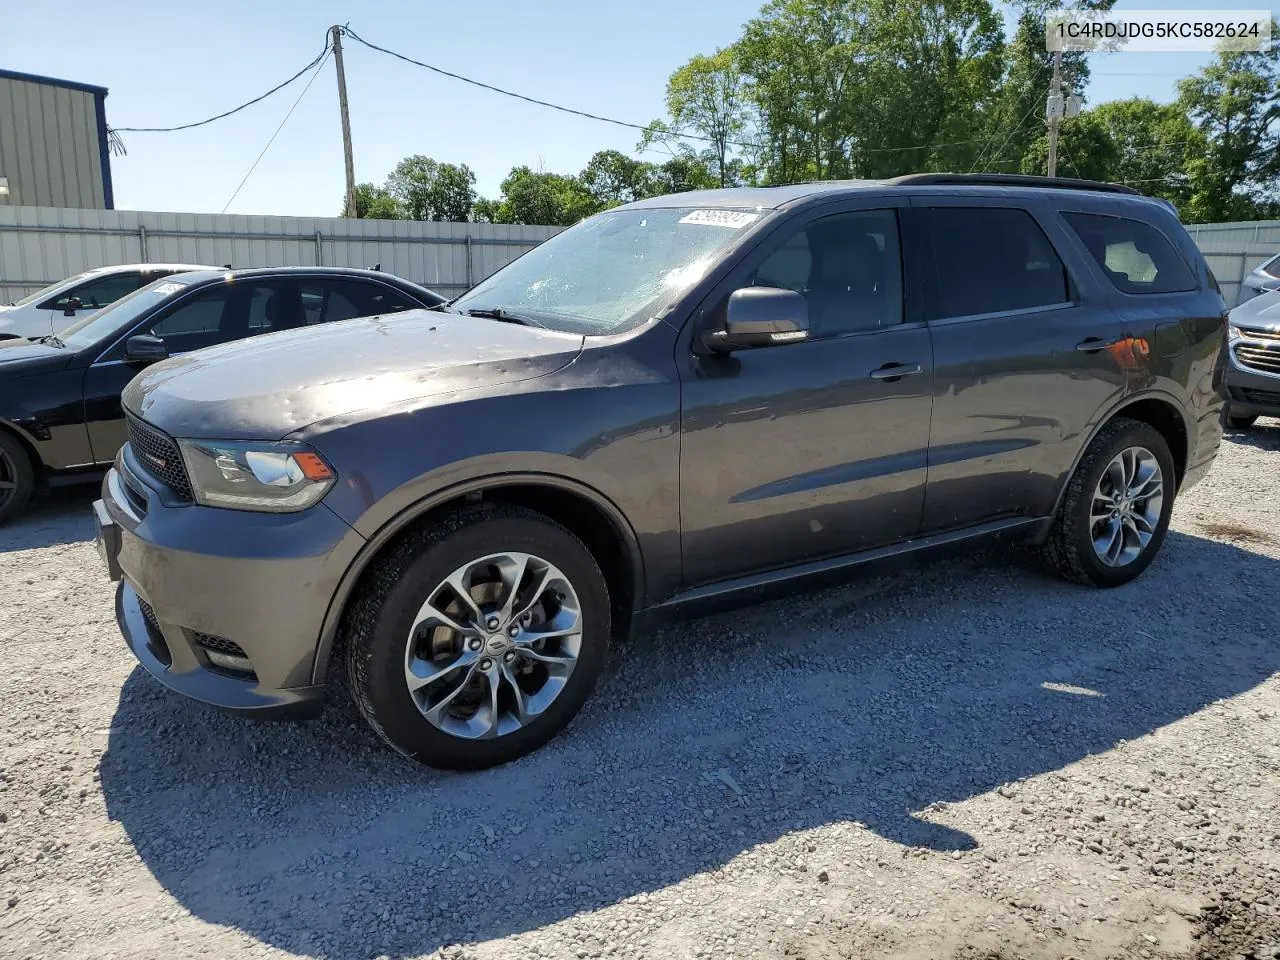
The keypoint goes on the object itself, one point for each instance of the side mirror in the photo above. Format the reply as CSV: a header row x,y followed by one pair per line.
x,y
145,348
72,306
761,317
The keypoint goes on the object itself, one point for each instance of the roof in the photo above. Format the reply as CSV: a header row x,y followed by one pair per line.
x,y
202,274
150,267
771,198
53,82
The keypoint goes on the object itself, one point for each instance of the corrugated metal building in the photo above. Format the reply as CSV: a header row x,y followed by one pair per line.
x,y
53,143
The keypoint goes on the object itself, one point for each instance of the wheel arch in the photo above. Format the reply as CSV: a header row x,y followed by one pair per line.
x,y
1157,409
27,443
586,512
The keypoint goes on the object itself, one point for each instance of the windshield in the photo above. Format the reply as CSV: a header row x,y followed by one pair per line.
x,y
113,319
612,271
48,291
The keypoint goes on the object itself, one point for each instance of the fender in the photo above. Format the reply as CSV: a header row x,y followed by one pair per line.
x,y
1117,408
373,546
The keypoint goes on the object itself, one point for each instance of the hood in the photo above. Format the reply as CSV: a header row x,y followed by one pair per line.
x,y
1259,313
19,356
267,387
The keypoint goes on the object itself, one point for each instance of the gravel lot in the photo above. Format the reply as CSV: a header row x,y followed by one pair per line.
x,y
968,760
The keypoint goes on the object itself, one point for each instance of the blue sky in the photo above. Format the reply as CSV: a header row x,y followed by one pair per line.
x,y
167,63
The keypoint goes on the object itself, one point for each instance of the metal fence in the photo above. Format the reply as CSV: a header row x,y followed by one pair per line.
x,y
1234,249
41,245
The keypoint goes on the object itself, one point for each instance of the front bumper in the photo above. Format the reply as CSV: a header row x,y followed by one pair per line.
x,y
1250,392
223,606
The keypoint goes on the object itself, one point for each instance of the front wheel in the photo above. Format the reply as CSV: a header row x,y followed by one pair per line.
x,y
17,477
1115,513
479,638
1237,421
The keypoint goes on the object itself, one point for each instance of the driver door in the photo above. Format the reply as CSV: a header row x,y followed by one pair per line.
x,y
802,451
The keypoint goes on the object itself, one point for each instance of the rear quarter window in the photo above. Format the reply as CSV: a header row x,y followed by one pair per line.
x,y
1134,256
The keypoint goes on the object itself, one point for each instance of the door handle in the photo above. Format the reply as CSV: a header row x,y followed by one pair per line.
x,y
1094,344
895,371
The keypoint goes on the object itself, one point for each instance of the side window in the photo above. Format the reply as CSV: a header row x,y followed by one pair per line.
x,y
327,301
1135,256
100,292
990,260
847,266
197,322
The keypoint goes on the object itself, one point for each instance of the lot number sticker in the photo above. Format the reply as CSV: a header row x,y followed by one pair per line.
x,y
733,219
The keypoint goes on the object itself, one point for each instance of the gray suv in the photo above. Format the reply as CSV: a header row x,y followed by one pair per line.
x,y
684,400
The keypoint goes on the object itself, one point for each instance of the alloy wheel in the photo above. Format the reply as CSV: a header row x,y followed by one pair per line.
x,y
493,645
1126,506
8,478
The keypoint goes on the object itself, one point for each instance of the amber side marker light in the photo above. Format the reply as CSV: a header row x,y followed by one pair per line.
x,y
313,468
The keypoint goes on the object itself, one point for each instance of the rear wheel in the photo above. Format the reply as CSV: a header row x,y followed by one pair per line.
x,y
479,638
1116,510
17,477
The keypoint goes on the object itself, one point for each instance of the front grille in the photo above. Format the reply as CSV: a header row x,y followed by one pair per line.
x,y
220,645
1262,359
158,647
1270,336
157,453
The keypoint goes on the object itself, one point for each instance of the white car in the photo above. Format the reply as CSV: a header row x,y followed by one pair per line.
x,y
57,306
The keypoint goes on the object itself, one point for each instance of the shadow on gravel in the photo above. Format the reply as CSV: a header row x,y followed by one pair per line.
x,y
865,703
65,515
1263,435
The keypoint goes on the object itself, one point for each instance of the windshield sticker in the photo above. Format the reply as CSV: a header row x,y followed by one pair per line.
x,y
733,219
167,288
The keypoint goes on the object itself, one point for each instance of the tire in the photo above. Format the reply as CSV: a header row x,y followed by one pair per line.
x,y
391,602
1237,422
17,477
1069,549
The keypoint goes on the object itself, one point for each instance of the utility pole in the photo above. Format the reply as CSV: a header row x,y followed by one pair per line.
x,y
1054,110
346,121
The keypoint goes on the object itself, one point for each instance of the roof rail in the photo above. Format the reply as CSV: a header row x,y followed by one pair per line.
x,y
1009,180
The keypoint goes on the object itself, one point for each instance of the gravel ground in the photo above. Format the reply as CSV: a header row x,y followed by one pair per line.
x,y
967,760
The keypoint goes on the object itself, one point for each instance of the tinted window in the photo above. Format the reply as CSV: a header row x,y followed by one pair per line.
x,y
231,311
196,322
1135,256
992,259
848,267
101,291
325,301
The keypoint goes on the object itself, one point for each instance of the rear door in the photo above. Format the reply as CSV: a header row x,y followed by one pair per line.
x,y
1025,353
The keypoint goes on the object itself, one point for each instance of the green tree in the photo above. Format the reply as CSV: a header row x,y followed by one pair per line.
x,y
375,203
1086,149
707,97
429,190
1016,118
543,198
485,210
1235,104
612,178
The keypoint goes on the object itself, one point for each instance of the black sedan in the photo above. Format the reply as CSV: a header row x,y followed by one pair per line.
x,y
60,415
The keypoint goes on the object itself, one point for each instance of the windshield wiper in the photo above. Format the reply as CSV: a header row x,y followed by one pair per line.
x,y
497,313
51,340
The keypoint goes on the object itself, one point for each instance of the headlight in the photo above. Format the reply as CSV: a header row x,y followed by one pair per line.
x,y
1233,332
256,475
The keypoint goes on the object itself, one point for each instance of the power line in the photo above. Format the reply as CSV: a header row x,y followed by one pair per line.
x,y
1007,140
347,31
200,123
245,179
